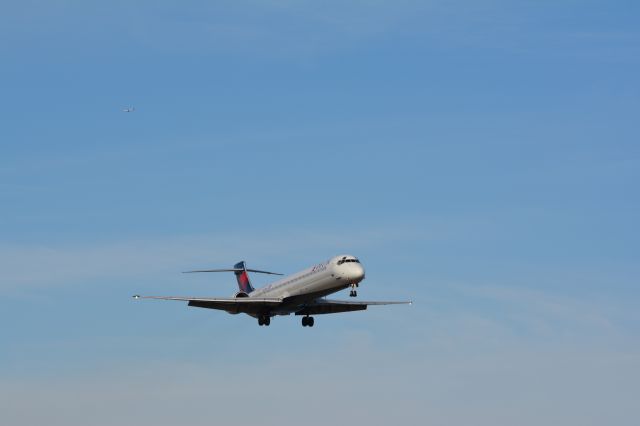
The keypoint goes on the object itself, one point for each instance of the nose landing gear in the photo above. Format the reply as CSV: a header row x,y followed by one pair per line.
x,y
353,292
307,321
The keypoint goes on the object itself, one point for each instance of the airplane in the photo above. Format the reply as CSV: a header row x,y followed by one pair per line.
x,y
302,293
129,109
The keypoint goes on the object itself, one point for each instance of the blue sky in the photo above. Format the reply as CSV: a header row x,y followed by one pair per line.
x,y
481,158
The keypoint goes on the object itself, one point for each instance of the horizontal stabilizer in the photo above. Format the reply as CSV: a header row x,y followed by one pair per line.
x,y
232,270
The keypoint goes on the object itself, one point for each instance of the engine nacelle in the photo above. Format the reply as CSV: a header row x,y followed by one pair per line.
x,y
238,294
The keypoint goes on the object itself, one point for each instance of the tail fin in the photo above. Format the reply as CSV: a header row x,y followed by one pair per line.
x,y
241,271
244,283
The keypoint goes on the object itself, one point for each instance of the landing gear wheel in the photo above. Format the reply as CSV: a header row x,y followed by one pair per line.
x,y
307,321
260,323
353,292
267,321
264,320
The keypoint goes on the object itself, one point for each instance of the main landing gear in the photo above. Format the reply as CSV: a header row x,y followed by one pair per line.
x,y
264,320
307,321
353,292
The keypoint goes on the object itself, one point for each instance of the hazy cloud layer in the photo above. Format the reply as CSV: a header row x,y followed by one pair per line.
x,y
355,382
63,264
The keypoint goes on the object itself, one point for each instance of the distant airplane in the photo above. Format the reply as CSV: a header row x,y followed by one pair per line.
x,y
302,293
129,109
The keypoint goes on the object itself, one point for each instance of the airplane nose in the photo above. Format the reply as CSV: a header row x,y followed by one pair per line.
x,y
356,273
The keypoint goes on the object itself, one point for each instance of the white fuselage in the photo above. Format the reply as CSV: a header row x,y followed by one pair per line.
x,y
320,280
301,294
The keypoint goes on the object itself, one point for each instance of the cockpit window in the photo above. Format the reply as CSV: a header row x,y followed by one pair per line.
x,y
341,261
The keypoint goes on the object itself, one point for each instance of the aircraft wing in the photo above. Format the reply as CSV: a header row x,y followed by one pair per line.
x,y
229,304
328,306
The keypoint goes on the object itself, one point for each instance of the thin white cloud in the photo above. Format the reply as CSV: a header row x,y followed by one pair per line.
x,y
53,265
526,300
263,28
512,383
